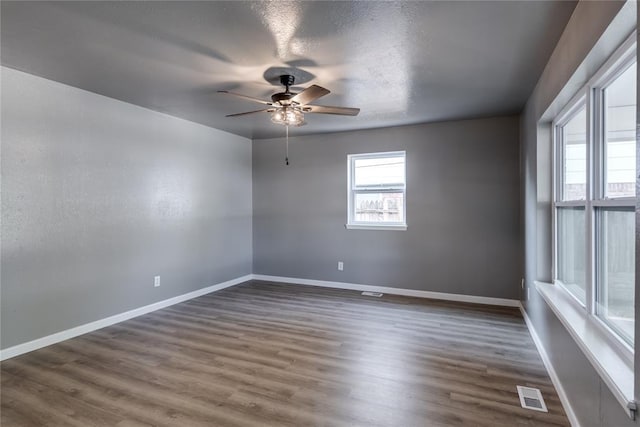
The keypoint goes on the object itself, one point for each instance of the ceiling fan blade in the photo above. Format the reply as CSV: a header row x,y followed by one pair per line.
x,y
267,110
341,111
250,98
310,94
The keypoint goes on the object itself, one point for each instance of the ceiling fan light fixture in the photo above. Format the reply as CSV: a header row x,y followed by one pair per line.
x,y
288,116
288,108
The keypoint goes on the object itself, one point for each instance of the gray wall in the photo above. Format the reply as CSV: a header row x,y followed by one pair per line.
x,y
462,209
594,31
98,196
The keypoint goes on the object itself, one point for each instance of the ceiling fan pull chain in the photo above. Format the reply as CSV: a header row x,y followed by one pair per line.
x,y
286,158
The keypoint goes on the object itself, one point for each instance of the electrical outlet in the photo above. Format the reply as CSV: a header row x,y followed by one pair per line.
x,y
156,281
340,265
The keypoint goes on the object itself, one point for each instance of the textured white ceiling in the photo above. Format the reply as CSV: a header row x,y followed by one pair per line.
x,y
400,62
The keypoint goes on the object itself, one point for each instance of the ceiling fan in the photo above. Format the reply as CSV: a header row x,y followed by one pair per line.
x,y
288,108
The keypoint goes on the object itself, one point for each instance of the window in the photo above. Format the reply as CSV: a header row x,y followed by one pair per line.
x,y
377,190
614,200
595,196
615,266
619,135
574,156
572,251
570,208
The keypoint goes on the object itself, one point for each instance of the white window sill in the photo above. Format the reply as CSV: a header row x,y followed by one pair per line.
x,y
397,227
614,366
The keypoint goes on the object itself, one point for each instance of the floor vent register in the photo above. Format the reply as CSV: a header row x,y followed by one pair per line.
x,y
531,398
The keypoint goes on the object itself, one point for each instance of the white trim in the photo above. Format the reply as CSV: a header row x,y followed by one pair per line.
x,y
111,320
622,202
397,227
393,291
571,204
615,339
614,367
572,108
617,63
562,394
555,191
575,300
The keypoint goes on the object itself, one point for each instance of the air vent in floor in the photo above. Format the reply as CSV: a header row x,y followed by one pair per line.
x,y
372,294
531,398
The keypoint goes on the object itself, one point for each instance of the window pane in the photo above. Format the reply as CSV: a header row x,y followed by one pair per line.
x,y
379,207
379,171
572,251
574,146
620,130
616,269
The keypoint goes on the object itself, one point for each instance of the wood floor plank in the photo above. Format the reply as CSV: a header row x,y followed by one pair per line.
x,y
273,354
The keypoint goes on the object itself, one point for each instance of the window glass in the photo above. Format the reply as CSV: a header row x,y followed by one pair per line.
x,y
620,135
572,249
379,207
574,168
379,171
616,269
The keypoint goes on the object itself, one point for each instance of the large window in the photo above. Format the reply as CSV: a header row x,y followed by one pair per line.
x,y
377,190
595,195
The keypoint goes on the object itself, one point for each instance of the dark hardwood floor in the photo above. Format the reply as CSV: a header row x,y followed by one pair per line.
x,y
266,354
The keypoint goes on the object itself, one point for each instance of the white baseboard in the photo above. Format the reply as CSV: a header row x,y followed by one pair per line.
x,y
393,291
99,324
568,409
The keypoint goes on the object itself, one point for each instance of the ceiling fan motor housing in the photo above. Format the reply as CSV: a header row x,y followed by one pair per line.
x,y
283,98
287,80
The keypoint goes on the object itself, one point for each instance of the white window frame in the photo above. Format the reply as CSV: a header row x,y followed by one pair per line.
x,y
609,353
352,191
573,107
